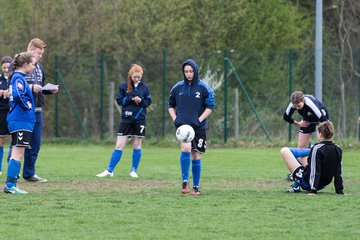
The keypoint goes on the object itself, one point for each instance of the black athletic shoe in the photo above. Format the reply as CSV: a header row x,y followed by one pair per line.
x,y
289,177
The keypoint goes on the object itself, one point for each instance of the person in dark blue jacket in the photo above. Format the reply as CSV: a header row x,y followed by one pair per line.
x,y
312,112
36,80
21,117
4,103
134,97
191,101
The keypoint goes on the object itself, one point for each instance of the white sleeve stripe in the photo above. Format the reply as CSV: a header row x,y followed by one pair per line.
x,y
18,92
313,165
313,107
288,109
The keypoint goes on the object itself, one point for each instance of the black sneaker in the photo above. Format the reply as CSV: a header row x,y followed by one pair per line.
x,y
35,178
289,177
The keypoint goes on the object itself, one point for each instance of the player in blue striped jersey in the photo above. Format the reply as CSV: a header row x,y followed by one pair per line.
x,y
191,101
21,117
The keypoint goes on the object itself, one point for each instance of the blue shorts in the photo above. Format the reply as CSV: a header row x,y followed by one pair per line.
x,y
300,152
306,185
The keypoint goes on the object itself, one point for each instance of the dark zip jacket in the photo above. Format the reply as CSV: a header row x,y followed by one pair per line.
x,y
4,101
131,112
190,99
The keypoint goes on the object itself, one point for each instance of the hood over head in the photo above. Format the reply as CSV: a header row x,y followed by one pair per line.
x,y
193,64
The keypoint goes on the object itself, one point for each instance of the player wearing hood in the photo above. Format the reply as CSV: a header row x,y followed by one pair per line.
x,y
191,101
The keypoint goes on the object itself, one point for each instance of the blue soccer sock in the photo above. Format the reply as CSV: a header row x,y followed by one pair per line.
x,y
136,159
295,184
115,158
12,173
196,172
1,157
185,165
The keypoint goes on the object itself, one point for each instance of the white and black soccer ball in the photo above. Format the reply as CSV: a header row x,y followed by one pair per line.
x,y
185,133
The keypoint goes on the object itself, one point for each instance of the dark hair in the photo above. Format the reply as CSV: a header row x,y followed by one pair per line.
x,y
20,60
6,59
326,129
297,97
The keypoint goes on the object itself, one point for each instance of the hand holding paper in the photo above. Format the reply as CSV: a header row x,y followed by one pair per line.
x,y
49,87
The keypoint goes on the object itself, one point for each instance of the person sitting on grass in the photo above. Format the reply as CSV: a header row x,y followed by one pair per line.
x,y
323,164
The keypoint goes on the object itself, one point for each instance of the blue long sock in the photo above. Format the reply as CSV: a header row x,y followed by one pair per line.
x,y
185,165
196,172
12,173
114,159
136,159
295,184
1,157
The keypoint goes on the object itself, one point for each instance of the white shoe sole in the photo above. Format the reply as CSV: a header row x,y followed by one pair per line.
x,y
105,174
134,175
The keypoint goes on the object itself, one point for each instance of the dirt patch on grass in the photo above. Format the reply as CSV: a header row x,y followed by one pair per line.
x,y
140,185
83,186
255,183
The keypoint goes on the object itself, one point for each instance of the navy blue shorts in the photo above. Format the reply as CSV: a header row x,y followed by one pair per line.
x,y
306,185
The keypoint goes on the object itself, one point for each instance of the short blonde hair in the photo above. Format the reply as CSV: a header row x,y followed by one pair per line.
x,y
36,43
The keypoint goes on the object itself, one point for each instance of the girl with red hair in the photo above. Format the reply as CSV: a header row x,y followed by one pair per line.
x,y
134,97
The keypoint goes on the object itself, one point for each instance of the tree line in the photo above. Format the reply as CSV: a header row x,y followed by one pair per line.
x,y
139,31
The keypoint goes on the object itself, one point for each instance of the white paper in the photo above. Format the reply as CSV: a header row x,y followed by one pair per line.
x,y
50,87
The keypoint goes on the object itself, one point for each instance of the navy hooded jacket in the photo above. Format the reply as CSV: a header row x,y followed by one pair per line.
x,y
191,98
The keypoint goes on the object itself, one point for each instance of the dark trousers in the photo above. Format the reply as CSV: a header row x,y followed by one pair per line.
x,y
31,155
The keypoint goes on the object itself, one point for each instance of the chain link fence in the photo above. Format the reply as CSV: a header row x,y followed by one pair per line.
x,y
84,106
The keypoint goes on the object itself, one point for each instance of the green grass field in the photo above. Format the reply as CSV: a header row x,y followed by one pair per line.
x,y
244,197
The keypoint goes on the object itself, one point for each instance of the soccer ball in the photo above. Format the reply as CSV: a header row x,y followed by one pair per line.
x,y
185,133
